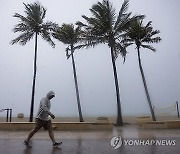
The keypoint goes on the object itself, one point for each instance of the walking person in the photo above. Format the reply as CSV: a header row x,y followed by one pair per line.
x,y
43,119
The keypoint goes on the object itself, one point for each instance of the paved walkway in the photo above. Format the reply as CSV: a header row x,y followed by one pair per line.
x,y
134,140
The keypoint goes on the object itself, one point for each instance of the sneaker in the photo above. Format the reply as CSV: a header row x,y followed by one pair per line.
x,y
57,144
26,143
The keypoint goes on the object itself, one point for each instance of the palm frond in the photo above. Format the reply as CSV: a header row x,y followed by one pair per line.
x,y
35,12
155,32
81,24
22,18
120,49
124,7
47,37
23,38
21,27
28,9
110,13
139,34
127,44
151,40
69,52
71,35
148,24
49,26
102,20
122,12
65,33
148,47
127,40
97,11
33,23
152,32
126,22
68,55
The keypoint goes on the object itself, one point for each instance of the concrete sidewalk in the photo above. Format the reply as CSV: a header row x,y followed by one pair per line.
x,y
92,142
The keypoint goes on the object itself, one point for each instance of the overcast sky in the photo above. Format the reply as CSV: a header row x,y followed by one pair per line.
x,y
94,68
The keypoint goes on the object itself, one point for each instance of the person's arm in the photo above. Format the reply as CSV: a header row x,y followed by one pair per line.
x,y
45,108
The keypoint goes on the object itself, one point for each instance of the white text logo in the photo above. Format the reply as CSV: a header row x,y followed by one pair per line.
x,y
116,142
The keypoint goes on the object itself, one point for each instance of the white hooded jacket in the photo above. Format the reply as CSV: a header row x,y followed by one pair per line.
x,y
44,107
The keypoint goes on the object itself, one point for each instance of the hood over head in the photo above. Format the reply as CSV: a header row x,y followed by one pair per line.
x,y
50,93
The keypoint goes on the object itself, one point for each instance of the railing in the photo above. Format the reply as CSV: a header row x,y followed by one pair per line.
x,y
9,114
168,110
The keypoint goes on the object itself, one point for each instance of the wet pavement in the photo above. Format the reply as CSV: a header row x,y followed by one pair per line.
x,y
133,139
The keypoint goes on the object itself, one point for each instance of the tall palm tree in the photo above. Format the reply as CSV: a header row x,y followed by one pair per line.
x,y
30,25
141,36
105,26
70,35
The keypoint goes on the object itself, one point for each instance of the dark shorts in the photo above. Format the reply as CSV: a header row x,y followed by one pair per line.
x,y
47,125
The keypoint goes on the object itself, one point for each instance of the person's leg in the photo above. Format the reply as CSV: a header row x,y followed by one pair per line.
x,y
31,133
48,127
51,135
38,125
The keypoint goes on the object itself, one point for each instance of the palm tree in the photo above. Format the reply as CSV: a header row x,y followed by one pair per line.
x,y
106,27
70,35
29,25
141,36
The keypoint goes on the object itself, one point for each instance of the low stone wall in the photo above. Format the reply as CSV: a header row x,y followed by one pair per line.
x,y
143,119
173,124
57,126
161,124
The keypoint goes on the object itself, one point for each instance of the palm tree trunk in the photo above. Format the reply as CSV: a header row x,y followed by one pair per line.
x,y
145,86
119,113
76,86
34,81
